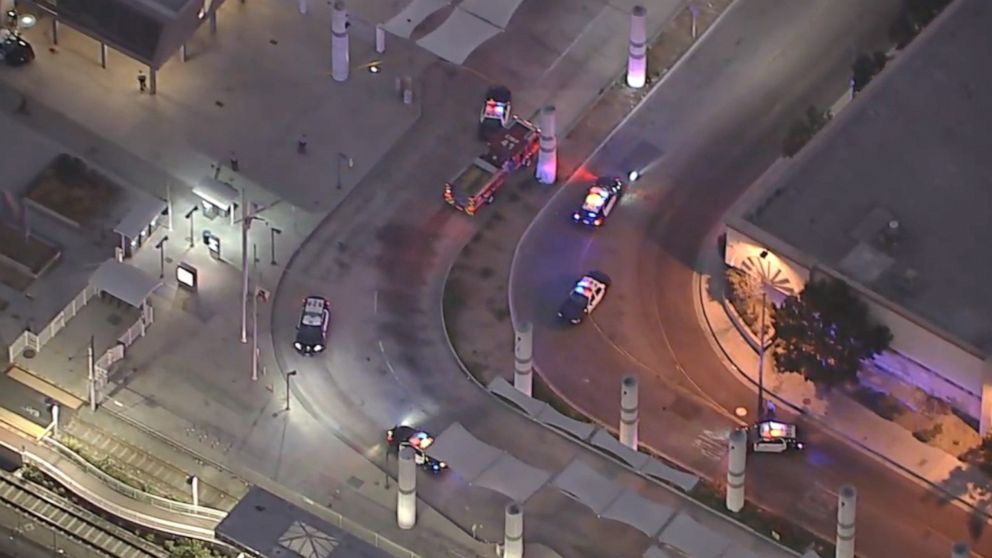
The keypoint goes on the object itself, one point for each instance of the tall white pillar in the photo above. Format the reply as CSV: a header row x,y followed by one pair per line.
x,y
523,359
960,550
380,38
628,412
406,490
847,500
513,528
736,467
637,52
547,158
339,42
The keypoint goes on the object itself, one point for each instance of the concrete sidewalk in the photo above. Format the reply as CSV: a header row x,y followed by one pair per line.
x,y
838,413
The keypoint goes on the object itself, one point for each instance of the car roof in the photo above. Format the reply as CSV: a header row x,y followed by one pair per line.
x,y
774,430
596,198
314,311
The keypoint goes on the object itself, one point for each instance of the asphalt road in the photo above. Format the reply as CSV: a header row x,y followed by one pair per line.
x,y
712,128
381,259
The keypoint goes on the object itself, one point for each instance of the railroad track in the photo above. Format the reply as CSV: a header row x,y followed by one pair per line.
x,y
163,477
87,528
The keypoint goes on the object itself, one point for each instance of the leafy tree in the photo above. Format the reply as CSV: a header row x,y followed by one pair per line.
x,y
865,67
825,333
915,15
803,130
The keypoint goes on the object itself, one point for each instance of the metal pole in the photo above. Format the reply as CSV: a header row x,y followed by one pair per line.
x,y
513,531
761,359
55,420
736,467
195,487
628,412
168,199
340,156
289,375
92,372
192,232
245,224
254,326
846,505
406,493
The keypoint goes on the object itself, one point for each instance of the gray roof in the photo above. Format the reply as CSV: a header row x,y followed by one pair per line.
x,y
270,526
897,191
150,31
125,282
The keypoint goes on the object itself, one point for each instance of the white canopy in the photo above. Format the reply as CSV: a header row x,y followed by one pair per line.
x,y
142,213
688,535
459,35
483,465
124,281
217,192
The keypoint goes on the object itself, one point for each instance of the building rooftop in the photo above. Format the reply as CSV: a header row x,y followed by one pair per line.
x,y
896,193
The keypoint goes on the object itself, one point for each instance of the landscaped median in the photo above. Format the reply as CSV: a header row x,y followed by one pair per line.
x,y
483,265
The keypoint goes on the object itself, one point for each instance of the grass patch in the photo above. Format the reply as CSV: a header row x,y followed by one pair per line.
x,y
69,187
881,403
30,252
770,525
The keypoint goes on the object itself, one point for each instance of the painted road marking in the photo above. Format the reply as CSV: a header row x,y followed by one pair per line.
x,y
712,444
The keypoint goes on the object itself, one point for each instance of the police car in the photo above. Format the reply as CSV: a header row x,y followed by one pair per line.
x,y
495,112
14,50
600,200
772,436
419,440
585,296
311,333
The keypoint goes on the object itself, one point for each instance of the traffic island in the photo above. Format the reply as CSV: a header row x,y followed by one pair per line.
x,y
475,297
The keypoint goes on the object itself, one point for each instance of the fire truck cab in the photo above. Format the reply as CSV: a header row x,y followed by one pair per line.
x,y
513,148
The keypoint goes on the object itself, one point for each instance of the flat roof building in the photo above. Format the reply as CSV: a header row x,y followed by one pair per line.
x,y
895,197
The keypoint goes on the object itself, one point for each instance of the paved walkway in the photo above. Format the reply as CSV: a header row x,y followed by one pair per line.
x,y
848,419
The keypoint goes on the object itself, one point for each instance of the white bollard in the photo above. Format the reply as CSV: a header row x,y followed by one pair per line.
x,y
380,38
406,490
628,412
637,52
339,42
960,550
55,420
523,357
736,467
547,158
513,529
847,500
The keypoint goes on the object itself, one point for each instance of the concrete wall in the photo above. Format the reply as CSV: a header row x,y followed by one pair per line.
x,y
919,355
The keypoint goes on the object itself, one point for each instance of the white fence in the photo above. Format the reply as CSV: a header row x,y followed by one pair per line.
x,y
101,366
35,341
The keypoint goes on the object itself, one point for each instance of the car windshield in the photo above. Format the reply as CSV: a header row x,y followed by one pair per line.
x,y
595,199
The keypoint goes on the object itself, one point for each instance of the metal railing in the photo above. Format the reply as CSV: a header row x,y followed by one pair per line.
x,y
36,341
132,492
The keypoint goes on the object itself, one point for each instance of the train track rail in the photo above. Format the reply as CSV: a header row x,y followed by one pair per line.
x,y
163,477
87,528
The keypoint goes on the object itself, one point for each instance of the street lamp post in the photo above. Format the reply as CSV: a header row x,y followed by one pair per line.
x,y
761,358
254,336
345,158
189,215
273,232
161,253
289,375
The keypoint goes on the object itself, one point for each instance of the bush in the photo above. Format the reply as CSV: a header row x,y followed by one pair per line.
x,y
804,129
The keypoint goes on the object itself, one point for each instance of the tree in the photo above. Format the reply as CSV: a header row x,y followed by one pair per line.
x,y
804,129
865,67
915,15
825,333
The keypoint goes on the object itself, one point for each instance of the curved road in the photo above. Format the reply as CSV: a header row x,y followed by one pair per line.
x,y
710,129
381,258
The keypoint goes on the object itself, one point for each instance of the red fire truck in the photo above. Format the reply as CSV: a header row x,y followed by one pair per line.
x,y
511,149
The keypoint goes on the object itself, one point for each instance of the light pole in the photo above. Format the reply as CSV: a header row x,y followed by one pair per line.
x,y
761,337
189,215
273,232
289,375
161,253
346,159
254,336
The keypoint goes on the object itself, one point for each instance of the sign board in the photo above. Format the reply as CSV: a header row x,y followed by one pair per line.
x,y
187,276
